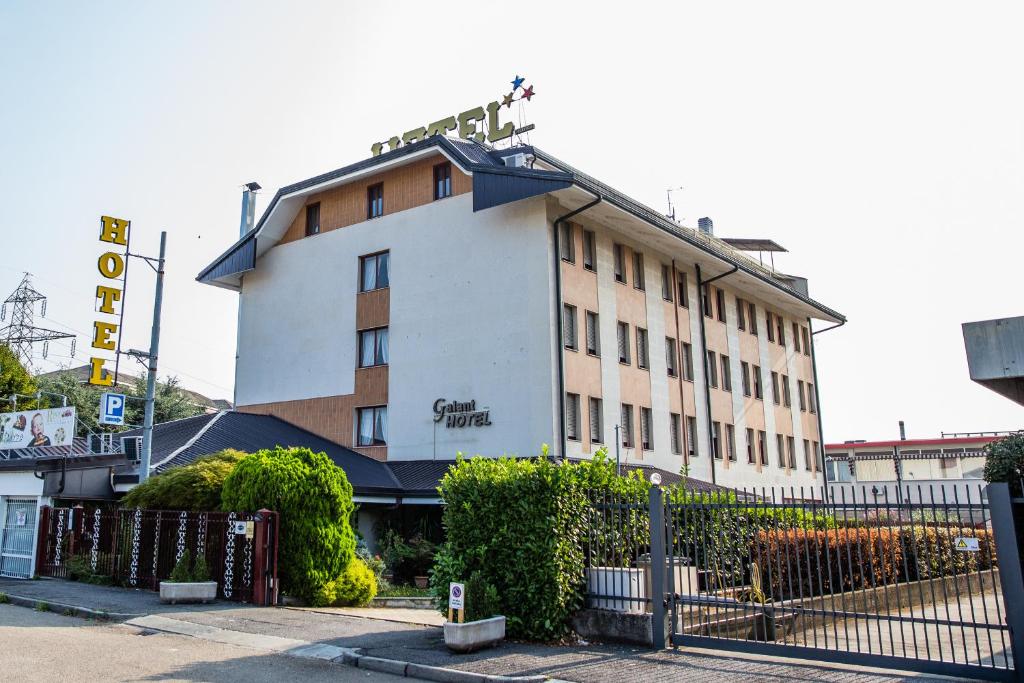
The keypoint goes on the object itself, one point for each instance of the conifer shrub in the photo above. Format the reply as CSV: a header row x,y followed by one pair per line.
x,y
314,499
195,487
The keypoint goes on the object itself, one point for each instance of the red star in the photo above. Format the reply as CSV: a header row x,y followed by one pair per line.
x,y
508,100
527,94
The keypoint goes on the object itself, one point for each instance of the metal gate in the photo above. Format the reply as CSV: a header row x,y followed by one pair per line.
x,y
919,583
19,534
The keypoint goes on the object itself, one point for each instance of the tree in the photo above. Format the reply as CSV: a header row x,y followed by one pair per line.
x,y
84,397
1004,461
314,498
196,487
170,402
14,378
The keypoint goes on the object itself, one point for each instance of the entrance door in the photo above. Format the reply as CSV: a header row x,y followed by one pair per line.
x,y
19,535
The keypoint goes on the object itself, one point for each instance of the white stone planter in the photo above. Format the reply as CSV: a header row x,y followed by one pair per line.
x,y
205,591
626,583
474,635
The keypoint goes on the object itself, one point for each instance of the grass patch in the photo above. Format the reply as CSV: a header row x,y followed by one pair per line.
x,y
404,592
42,606
4,599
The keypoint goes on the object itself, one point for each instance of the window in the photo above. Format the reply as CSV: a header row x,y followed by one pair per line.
x,y
716,439
812,405
838,470
776,396
620,263
780,326
375,201
638,270
670,357
769,317
741,315
781,449
646,437
762,447
807,455
589,250
751,458
691,436
627,425
800,395
566,243
814,452
796,337
623,333
730,442
641,348
596,421
569,326
758,393
726,374
676,433
752,309
443,180
687,362
666,282
786,398
720,301
791,452
684,294
593,334
712,370
705,300
313,219
373,347
373,426
745,379
807,341
375,271
572,417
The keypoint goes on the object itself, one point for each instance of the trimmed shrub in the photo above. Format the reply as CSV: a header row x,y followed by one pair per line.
x,y
481,598
798,563
314,499
356,587
1004,461
196,487
930,551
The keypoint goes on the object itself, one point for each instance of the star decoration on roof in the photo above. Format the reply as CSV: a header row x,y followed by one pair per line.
x,y
517,82
508,99
527,94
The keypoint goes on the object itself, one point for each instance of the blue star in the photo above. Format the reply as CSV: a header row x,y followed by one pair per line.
x,y
517,82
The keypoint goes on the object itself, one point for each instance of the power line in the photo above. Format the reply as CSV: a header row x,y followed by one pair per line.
x,y
21,333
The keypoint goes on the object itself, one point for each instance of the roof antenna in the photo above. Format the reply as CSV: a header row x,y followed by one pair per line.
x,y
671,209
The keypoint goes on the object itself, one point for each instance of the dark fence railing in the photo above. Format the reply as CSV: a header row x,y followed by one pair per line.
x,y
139,548
918,582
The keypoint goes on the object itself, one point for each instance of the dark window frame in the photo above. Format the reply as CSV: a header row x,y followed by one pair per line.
x,y
375,201
359,421
442,180
375,331
639,280
590,251
567,242
376,271
619,266
312,219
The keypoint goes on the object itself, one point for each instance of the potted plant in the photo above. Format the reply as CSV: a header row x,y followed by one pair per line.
x,y
189,581
764,628
422,560
483,627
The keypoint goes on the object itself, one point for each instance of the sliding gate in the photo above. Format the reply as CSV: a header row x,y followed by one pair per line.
x,y
919,583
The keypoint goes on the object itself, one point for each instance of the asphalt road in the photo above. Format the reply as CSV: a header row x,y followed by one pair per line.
x,y
42,646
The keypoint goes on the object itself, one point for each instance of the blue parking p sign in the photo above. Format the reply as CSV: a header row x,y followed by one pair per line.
x,y
112,409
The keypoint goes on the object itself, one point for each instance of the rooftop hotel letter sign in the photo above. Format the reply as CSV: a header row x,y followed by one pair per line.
x,y
106,334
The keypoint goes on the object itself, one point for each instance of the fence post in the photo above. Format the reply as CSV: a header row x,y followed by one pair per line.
x,y
657,520
1009,561
260,560
42,538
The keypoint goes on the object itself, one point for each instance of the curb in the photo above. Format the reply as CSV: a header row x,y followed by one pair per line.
x,y
431,673
69,610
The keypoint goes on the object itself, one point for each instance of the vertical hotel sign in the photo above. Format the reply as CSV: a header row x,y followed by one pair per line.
x,y
106,329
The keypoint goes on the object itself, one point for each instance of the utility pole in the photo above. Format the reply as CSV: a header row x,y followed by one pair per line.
x,y
154,348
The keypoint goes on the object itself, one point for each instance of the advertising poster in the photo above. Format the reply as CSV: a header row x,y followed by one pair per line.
x,y
37,428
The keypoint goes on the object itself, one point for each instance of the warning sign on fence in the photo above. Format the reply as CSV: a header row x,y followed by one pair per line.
x,y
966,544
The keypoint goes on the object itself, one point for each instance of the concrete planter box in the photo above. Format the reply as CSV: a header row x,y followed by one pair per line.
x,y
205,591
474,635
625,583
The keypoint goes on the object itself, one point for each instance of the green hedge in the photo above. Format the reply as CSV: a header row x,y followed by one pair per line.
x,y
314,498
195,487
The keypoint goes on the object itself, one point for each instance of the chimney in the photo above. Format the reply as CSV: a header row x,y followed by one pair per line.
x,y
705,225
248,208
903,431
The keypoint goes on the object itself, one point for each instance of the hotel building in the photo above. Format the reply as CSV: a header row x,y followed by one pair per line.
x,y
448,297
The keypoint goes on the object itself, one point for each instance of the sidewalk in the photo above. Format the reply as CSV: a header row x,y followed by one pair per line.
x,y
328,634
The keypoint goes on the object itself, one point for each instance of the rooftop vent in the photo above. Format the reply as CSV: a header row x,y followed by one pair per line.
x,y
520,160
248,208
706,225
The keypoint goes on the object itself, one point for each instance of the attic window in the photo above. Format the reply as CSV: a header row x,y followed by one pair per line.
x,y
313,219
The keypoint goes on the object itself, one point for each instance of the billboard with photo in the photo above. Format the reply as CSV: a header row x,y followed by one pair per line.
x,y
37,428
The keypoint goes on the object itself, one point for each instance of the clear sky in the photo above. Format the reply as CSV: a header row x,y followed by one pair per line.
x,y
880,142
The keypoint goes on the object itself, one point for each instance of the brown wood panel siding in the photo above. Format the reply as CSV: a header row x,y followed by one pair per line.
x,y
373,308
404,188
371,386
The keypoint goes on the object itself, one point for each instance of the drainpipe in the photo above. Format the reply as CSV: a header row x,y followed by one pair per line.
x,y
704,359
562,441
817,403
685,440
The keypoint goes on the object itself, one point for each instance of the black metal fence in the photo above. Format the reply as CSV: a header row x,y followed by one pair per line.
x,y
139,548
918,583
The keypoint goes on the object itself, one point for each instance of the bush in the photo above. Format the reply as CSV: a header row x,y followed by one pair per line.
x,y
930,553
195,487
798,563
1004,461
187,571
481,598
314,499
356,587
79,568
